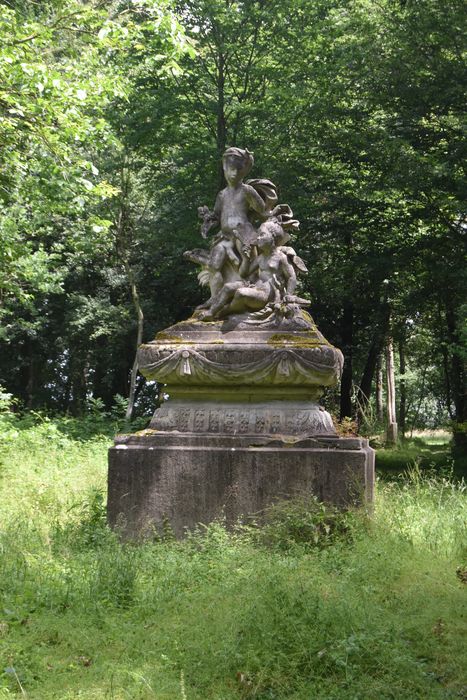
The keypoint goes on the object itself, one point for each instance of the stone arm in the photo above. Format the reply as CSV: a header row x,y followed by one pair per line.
x,y
289,274
232,256
255,201
210,218
252,268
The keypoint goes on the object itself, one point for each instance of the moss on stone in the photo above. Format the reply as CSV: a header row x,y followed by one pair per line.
x,y
308,339
162,335
200,322
308,318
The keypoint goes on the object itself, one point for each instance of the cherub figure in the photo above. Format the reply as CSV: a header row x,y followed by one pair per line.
x,y
272,275
238,201
232,263
234,206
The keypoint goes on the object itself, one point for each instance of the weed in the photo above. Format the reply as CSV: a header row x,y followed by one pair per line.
x,y
89,529
307,522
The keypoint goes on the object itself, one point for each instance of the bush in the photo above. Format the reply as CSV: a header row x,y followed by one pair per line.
x,y
306,522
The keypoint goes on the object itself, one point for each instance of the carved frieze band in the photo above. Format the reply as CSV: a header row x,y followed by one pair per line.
x,y
277,366
243,420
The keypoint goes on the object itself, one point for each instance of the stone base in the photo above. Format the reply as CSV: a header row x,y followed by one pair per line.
x,y
155,476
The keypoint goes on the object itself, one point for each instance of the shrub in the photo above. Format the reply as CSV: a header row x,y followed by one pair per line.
x,y
306,522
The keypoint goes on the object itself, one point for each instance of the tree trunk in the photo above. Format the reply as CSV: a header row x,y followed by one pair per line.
x,y
402,389
139,340
221,127
67,388
364,390
443,344
457,373
421,396
79,386
391,433
379,389
447,380
31,385
124,239
346,409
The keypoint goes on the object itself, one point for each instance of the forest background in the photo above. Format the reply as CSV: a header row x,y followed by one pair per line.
x,y
113,119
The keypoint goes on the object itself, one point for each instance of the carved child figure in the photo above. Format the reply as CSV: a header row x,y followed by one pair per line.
x,y
272,278
247,268
234,205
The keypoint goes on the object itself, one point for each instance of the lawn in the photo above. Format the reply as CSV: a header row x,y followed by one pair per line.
x,y
426,452
362,609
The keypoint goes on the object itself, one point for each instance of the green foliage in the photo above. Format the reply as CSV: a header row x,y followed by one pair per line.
x,y
89,529
433,455
6,401
307,523
113,118
369,425
53,94
440,531
375,609
65,67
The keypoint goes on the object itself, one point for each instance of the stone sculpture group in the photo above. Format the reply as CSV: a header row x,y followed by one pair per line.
x,y
248,268
242,426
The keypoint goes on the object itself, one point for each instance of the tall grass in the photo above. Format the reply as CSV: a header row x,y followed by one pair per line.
x,y
314,605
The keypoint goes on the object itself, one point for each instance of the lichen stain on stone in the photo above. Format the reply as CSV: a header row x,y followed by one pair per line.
x,y
146,432
199,322
307,317
300,341
172,339
162,335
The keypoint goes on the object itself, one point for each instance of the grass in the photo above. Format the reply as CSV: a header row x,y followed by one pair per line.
x,y
312,606
430,452
438,436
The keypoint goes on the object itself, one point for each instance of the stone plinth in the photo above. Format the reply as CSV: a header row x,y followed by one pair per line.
x,y
242,427
244,355
243,377
189,479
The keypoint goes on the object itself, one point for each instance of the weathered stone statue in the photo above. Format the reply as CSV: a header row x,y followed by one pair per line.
x,y
242,426
247,268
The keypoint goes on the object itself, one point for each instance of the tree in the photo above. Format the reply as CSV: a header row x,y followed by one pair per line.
x,y
355,109
63,67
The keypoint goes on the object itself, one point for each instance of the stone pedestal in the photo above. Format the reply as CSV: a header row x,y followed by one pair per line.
x,y
242,427
191,479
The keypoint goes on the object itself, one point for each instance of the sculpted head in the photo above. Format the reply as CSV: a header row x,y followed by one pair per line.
x,y
237,163
270,234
